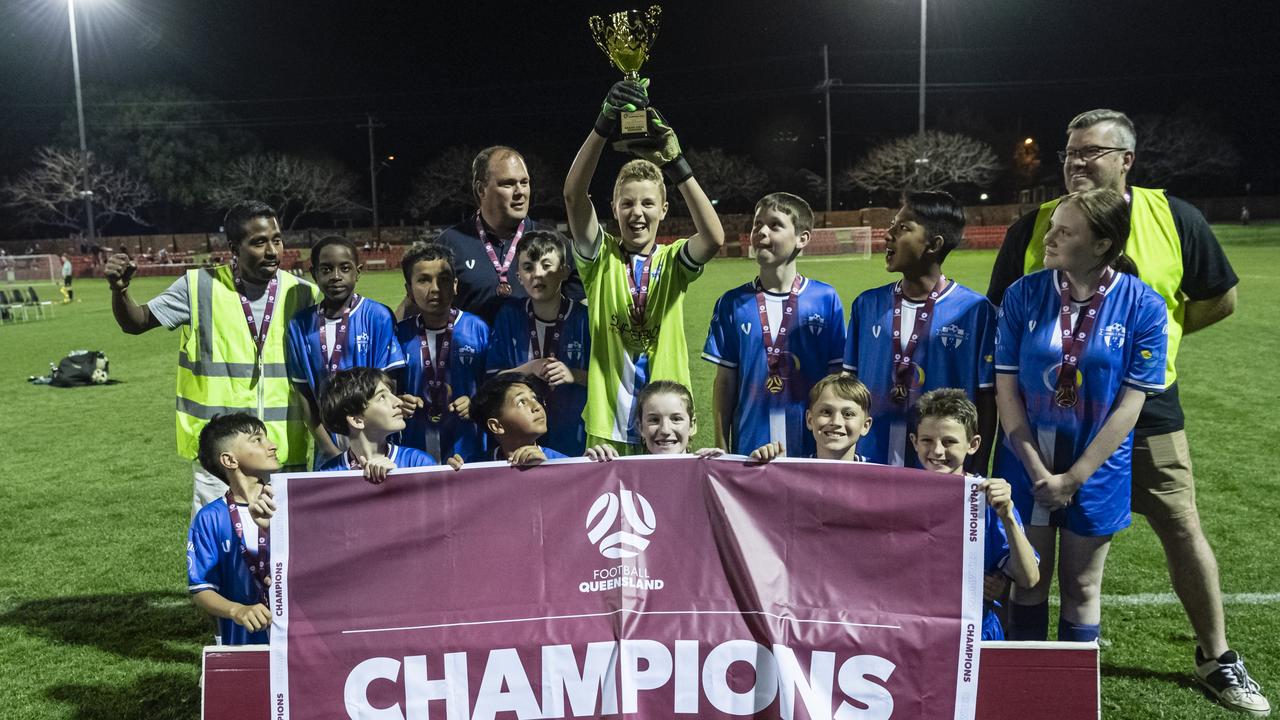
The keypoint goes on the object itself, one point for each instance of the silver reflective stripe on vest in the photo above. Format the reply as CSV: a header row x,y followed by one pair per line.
x,y
204,290
209,368
207,412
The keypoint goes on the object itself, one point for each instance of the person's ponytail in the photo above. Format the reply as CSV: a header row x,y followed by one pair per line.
x,y
1125,264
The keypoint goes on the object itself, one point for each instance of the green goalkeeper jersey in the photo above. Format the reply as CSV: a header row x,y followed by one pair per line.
x,y
625,356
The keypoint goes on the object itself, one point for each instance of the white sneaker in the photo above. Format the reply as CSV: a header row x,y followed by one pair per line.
x,y
1226,681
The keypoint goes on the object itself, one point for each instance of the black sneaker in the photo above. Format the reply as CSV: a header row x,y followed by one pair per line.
x,y
1226,681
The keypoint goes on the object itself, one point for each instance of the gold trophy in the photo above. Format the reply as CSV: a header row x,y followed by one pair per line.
x,y
625,38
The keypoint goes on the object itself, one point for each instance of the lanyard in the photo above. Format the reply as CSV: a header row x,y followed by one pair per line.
x,y
902,358
257,566
333,358
1073,344
435,373
500,267
775,350
551,338
639,291
258,337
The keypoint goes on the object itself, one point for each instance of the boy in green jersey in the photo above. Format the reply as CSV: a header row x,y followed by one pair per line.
x,y
635,288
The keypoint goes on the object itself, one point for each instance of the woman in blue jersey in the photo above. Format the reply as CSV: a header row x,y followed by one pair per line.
x,y
1078,346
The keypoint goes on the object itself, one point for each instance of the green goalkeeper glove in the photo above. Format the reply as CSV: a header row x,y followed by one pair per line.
x,y
661,149
624,96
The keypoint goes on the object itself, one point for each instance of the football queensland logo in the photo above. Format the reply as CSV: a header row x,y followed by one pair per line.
x,y
619,524
637,515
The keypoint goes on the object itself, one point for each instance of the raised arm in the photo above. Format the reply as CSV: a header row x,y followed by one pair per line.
x,y
583,225
584,228
132,318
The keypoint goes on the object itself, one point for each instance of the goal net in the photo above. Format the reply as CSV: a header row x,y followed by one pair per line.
x,y
29,269
852,241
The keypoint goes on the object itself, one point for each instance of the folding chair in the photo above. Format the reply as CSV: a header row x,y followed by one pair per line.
x,y
13,308
35,301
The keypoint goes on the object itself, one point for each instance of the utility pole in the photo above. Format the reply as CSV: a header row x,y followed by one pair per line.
x,y
372,125
825,87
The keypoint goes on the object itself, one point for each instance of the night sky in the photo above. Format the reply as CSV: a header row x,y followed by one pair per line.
x,y
301,75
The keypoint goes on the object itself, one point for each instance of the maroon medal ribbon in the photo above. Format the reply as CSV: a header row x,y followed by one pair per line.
x,y
775,349
1073,343
333,358
500,267
259,337
551,338
902,364
435,373
639,291
258,567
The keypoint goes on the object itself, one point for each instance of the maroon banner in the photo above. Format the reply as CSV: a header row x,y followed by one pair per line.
x,y
644,587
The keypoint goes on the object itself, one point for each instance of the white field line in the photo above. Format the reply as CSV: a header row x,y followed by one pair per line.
x,y
1171,599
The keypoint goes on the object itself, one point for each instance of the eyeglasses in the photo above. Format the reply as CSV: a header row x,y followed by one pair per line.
x,y
1088,154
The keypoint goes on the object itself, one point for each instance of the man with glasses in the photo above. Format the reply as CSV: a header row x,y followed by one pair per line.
x,y
1177,255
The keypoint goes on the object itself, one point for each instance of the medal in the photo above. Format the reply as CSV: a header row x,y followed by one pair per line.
x,y
1066,397
434,373
775,344
1073,343
902,356
639,336
500,267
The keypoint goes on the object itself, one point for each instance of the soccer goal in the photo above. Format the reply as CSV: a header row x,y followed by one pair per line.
x,y
28,269
852,241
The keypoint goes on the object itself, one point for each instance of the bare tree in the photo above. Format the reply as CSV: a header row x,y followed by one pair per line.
x,y
50,193
1182,149
726,178
294,186
445,182
933,161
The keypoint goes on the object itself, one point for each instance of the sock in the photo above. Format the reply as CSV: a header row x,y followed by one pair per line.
x,y
1029,622
1077,632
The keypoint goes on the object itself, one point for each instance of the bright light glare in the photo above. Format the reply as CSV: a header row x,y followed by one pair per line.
x,y
1028,141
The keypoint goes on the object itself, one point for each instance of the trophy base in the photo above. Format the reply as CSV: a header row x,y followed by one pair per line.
x,y
634,128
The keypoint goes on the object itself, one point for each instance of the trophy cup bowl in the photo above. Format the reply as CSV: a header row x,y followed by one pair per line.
x,y
626,38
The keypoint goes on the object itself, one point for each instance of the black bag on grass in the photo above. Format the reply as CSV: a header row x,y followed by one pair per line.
x,y
81,367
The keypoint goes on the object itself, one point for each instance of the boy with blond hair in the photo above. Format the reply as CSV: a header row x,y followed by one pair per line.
x,y
635,287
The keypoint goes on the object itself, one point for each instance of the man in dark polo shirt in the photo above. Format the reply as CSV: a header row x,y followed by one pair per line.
x,y
484,244
1178,256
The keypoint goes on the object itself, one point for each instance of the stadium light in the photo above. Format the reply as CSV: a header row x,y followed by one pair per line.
x,y
87,192
1028,141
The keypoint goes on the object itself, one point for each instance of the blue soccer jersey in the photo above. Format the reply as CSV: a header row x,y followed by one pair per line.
x,y
403,457
510,345
957,353
371,342
470,347
1126,348
215,562
815,341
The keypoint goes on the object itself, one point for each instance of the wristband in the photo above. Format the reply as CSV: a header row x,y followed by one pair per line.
x,y
678,170
605,125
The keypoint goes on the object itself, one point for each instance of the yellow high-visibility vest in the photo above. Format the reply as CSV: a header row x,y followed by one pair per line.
x,y
1153,245
219,370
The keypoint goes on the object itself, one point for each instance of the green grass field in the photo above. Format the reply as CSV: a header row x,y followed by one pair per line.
x,y
94,616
